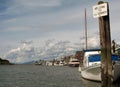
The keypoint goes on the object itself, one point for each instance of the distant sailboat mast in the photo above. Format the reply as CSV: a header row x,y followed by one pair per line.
x,y
85,29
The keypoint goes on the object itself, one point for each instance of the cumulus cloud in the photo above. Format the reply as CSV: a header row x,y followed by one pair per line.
x,y
15,50
45,19
93,42
52,49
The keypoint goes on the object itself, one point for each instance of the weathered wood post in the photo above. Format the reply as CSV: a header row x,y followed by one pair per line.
x,y
105,42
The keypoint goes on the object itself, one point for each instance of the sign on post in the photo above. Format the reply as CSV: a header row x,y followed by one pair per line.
x,y
100,10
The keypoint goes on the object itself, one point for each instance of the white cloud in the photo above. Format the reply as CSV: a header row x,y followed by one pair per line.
x,y
93,42
38,3
40,20
15,50
52,49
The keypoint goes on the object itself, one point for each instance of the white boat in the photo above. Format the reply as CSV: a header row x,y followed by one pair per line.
x,y
91,66
61,63
74,62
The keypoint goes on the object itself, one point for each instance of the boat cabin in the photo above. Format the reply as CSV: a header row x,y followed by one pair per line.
x,y
93,57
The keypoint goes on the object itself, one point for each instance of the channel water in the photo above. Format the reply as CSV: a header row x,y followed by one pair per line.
x,y
44,76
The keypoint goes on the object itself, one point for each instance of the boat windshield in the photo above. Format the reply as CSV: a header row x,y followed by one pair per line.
x,y
97,57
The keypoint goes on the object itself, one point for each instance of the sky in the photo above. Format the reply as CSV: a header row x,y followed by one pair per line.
x,y
37,24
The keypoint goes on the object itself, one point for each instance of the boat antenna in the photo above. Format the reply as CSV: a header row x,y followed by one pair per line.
x,y
85,29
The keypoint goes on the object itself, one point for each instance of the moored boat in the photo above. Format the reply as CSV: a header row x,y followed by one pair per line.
x,y
91,65
74,63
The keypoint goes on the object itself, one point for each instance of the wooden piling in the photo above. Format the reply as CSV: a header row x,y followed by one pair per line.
x,y
105,42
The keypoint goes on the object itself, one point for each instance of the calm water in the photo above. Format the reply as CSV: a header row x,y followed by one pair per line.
x,y
43,76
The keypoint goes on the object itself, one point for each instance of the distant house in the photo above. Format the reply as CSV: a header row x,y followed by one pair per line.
x,y
79,55
67,59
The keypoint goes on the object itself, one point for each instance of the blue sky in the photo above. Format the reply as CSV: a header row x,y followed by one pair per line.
x,y
40,20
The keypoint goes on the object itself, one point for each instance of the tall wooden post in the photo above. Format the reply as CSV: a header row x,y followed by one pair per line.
x,y
105,41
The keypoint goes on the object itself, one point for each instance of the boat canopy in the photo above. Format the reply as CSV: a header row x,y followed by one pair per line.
x,y
97,57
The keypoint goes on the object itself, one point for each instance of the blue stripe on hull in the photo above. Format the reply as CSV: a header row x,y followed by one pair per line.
x,y
97,57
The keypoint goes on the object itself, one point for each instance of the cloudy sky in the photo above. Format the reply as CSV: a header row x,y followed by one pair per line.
x,y
38,21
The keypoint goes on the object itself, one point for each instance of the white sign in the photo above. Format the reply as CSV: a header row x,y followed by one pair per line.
x,y
100,10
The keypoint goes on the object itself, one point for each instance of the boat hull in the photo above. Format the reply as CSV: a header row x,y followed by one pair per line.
x,y
94,72
74,65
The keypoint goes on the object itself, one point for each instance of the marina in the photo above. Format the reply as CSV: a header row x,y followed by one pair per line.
x,y
53,52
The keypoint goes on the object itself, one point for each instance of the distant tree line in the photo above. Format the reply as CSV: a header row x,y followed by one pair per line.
x,y
4,62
